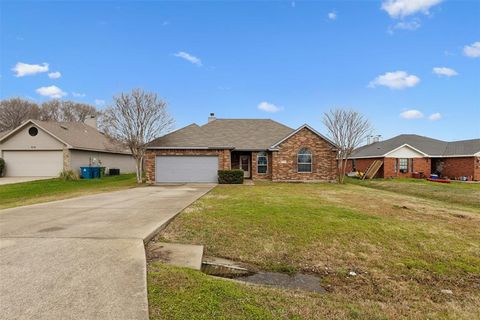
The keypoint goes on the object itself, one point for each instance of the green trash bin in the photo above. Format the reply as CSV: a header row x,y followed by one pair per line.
x,y
102,172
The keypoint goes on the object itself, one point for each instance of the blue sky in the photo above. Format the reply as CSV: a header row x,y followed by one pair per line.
x,y
411,66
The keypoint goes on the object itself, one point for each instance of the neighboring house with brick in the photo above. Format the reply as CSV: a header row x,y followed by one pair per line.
x,y
407,154
262,148
46,148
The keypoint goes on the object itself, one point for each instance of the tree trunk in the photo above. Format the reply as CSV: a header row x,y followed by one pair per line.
x,y
344,169
138,163
340,170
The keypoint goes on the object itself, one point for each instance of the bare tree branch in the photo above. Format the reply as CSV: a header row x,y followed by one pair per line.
x,y
67,111
135,119
347,128
15,111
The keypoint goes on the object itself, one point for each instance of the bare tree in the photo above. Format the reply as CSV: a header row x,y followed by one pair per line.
x,y
15,111
67,111
135,119
51,110
347,128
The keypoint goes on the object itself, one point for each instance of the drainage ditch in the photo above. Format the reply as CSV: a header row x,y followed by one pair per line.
x,y
229,269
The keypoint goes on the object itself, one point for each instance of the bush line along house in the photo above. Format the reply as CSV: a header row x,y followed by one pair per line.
x,y
407,154
46,148
262,148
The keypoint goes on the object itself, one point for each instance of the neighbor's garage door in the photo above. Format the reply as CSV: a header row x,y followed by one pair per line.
x,y
33,163
186,168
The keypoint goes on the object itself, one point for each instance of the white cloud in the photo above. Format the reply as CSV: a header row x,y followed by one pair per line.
x,y
403,8
395,80
473,50
54,75
407,25
268,107
51,91
435,116
24,69
444,71
332,15
99,102
78,95
189,58
411,114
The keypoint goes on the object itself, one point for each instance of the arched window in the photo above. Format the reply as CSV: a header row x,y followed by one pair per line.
x,y
304,160
262,162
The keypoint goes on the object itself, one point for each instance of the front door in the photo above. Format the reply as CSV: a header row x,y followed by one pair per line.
x,y
245,165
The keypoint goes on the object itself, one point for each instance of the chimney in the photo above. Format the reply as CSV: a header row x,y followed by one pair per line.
x,y
212,117
377,138
91,121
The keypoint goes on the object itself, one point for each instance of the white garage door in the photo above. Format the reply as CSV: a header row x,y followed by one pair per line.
x,y
186,168
33,163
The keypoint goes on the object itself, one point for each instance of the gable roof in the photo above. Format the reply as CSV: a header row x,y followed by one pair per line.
x,y
75,135
428,146
239,134
305,126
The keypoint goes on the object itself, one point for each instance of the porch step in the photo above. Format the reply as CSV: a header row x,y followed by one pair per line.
x,y
176,254
372,169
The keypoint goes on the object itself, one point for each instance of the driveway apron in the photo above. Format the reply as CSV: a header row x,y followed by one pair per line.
x,y
84,258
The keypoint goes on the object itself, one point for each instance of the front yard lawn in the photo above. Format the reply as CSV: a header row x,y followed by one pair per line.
x,y
404,249
462,193
25,193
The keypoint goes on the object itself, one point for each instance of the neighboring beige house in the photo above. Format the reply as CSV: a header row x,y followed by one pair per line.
x,y
46,148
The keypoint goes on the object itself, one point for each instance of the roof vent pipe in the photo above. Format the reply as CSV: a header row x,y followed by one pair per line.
x,y
212,117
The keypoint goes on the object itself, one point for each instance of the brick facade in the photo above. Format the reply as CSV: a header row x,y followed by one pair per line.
x,y
223,158
388,170
261,176
282,164
284,161
362,166
454,168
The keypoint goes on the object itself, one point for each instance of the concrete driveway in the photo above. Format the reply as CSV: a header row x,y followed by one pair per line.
x,y
84,258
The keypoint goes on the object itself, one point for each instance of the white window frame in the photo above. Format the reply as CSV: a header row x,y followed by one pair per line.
x,y
310,163
402,166
262,154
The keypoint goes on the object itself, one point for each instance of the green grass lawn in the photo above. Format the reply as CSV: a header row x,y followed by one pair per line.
x,y
467,194
24,193
404,249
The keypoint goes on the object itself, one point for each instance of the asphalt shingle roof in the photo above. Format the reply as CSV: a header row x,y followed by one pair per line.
x,y
241,134
81,136
78,135
429,146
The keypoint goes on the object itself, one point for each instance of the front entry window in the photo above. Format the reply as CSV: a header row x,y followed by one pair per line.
x,y
262,162
304,160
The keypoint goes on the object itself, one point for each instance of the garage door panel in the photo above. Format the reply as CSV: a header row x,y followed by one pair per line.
x,y
186,168
33,163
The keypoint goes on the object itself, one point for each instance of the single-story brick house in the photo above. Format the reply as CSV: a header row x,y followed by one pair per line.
x,y
46,148
406,154
262,148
